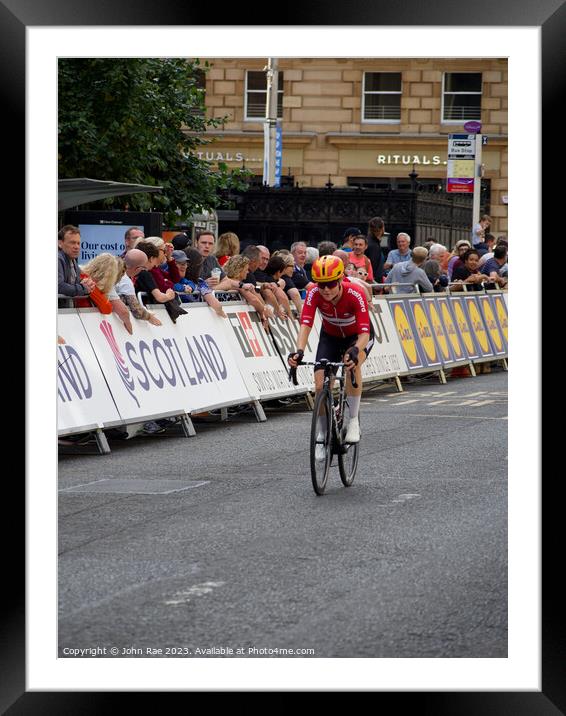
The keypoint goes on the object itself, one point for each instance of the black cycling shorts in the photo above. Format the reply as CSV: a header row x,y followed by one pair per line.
x,y
333,348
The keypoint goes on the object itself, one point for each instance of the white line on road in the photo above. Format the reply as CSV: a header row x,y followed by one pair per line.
x,y
198,590
441,415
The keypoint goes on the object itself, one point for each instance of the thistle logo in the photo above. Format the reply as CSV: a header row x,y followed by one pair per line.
x,y
123,370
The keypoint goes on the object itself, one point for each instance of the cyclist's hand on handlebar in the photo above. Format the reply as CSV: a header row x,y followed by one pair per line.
x,y
295,358
351,357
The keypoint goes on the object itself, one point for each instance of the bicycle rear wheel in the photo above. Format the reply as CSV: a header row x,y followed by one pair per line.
x,y
321,468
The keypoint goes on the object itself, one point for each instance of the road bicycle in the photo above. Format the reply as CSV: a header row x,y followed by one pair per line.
x,y
331,409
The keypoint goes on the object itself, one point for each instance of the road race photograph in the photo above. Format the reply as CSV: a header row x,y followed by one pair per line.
x,y
282,357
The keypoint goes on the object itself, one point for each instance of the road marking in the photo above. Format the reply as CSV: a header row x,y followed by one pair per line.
x,y
198,590
406,497
441,415
406,402
84,484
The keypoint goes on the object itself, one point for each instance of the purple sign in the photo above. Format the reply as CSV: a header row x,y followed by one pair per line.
x,y
474,127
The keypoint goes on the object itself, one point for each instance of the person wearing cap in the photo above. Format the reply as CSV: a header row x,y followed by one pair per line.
x,y
348,238
180,241
346,335
191,287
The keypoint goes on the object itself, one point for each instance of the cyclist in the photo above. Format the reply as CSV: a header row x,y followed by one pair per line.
x,y
346,332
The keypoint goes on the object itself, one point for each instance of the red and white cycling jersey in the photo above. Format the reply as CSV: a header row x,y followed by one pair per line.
x,y
346,318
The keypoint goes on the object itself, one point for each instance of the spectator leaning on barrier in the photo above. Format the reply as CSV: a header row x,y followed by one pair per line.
x,y
220,282
145,281
288,277
205,243
486,246
69,275
300,276
410,272
134,262
438,280
469,274
165,273
105,270
237,269
193,286
401,253
456,259
501,241
130,238
269,285
493,267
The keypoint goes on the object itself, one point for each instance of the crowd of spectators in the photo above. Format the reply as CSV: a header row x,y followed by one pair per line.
x,y
181,271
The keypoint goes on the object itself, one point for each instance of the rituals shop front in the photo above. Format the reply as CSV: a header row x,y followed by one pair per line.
x,y
312,160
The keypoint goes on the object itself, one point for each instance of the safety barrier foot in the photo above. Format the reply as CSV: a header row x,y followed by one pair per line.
x,y
399,385
309,401
442,376
259,411
504,362
188,427
223,414
472,368
101,441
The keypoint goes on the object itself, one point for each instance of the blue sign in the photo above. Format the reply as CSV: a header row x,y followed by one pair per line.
x,y
278,154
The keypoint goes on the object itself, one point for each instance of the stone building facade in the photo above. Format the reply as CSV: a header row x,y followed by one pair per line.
x,y
364,121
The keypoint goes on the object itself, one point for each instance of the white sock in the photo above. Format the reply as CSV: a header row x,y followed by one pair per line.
x,y
354,405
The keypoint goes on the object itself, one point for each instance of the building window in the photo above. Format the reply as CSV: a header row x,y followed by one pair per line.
x,y
256,94
382,97
461,96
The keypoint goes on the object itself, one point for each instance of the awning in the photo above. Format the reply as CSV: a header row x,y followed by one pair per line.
x,y
73,192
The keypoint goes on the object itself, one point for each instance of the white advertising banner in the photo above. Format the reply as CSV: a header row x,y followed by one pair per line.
x,y
285,334
83,397
386,358
263,369
167,369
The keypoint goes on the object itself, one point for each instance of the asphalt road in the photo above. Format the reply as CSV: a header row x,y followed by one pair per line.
x,y
218,542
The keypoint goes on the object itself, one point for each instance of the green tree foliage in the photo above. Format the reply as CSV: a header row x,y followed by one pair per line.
x,y
139,120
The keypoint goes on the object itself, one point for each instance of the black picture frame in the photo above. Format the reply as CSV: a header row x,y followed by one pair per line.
x,y
15,16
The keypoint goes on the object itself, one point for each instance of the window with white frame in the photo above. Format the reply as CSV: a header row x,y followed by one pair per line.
x,y
461,96
256,94
382,97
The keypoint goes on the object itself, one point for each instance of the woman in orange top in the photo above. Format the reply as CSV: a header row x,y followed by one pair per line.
x,y
103,270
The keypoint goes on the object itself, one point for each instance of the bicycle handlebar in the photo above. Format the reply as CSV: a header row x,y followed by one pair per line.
x,y
326,364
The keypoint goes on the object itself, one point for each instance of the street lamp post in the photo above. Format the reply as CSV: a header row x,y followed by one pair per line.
x,y
270,125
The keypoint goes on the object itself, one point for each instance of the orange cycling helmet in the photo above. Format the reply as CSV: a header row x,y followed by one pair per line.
x,y
327,268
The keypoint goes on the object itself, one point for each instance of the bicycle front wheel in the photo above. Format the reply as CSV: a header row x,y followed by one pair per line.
x,y
348,463
321,441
